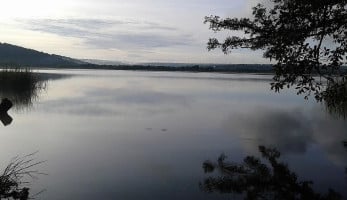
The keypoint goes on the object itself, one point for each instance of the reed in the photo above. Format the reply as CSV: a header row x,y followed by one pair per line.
x,y
13,178
21,85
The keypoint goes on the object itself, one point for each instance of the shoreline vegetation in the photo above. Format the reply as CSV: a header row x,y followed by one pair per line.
x,y
14,179
21,85
227,68
220,68
157,67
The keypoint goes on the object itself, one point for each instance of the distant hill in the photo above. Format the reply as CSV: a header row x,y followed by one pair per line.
x,y
11,55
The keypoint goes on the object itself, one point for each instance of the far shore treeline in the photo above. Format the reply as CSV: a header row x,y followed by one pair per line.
x,y
246,68
12,56
237,68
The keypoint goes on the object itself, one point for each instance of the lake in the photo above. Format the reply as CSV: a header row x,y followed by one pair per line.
x,y
145,135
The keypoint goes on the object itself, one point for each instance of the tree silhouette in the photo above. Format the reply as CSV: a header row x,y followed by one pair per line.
x,y
305,38
257,180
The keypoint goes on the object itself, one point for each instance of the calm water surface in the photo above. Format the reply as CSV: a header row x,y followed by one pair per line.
x,y
145,135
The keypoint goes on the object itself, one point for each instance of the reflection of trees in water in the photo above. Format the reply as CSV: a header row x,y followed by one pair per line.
x,y
292,130
335,100
12,180
23,86
257,180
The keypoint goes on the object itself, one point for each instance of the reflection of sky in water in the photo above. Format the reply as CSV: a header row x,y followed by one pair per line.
x,y
132,135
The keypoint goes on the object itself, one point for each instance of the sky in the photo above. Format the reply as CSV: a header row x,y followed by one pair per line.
x,y
129,31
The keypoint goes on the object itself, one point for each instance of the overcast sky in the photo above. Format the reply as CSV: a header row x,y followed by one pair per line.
x,y
122,30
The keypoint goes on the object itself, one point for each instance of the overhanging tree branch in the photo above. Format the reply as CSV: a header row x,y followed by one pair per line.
x,y
306,39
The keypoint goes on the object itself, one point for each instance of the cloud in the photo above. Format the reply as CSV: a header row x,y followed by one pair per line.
x,y
112,33
134,40
88,24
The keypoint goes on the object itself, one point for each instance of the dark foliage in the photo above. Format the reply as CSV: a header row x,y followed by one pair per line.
x,y
256,180
305,38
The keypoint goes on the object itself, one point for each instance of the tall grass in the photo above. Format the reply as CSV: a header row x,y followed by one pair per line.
x,y
20,85
12,179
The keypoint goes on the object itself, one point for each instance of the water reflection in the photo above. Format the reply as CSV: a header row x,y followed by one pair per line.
x,y
256,180
335,99
110,134
291,131
118,101
24,87
337,110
